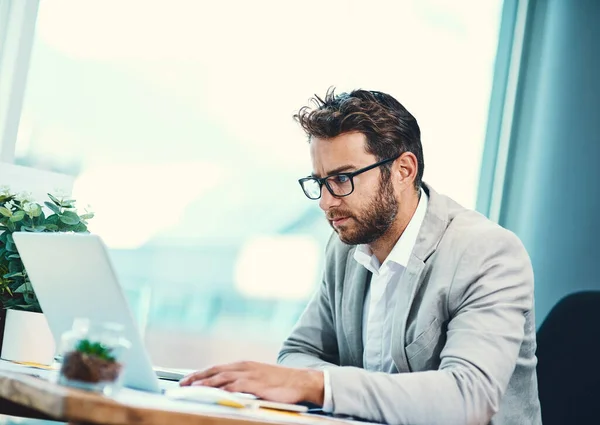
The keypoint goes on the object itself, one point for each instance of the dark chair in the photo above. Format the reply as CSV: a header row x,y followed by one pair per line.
x,y
568,351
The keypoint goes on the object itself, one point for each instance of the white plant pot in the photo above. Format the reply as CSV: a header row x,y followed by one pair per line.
x,y
27,338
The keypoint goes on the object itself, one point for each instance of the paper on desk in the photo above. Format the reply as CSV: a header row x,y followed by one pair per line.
x,y
157,401
28,370
37,365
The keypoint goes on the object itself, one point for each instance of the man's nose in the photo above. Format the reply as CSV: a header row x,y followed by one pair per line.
x,y
327,199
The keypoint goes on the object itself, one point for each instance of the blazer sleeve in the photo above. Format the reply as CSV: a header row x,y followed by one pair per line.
x,y
489,298
313,341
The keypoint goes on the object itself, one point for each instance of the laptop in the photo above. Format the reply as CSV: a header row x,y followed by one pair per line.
x,y
73,276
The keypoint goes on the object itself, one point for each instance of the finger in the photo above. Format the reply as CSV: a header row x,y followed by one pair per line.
x,y
242,385
211,371
221,380
198,375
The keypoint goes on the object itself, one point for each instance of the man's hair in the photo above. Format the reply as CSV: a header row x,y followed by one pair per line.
x,y
389,128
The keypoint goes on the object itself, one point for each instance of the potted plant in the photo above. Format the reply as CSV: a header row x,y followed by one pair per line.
x,y
27,337
90,362
92,356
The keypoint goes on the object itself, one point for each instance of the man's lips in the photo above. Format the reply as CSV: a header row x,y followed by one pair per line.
x,y
337,221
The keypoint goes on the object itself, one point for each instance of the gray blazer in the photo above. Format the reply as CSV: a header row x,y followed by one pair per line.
x,y
467,331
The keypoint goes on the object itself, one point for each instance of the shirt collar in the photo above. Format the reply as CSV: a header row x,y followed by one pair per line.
x,y
400,254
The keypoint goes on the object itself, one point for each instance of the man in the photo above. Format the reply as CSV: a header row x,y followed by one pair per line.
x,y
425,312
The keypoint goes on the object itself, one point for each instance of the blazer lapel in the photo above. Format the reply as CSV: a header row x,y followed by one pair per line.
x,y
353,299
409,282
433,228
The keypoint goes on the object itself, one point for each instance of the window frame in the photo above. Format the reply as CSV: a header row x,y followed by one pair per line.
x,y
504,101
17,33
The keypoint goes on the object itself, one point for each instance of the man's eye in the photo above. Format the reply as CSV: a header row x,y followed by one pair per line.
x,y
342,178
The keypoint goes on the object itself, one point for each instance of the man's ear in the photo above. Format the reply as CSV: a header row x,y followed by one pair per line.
x,y
407,167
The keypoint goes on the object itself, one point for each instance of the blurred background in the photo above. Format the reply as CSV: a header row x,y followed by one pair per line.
x,y
173,120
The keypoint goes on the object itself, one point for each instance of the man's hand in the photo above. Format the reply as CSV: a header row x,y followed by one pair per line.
x,y
269,382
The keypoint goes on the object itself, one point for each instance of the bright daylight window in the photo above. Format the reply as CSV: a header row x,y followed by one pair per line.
x,y
176,120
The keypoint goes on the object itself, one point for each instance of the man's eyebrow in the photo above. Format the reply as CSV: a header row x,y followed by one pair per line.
x,y
337,170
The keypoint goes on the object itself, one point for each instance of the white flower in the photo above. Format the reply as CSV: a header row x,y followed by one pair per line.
x,y
30,207
9,205
24,197
5,190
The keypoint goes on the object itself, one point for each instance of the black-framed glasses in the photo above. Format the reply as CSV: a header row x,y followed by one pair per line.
x,y
339,184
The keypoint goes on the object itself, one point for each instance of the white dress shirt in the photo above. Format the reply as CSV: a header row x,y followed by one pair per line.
x,y
380,299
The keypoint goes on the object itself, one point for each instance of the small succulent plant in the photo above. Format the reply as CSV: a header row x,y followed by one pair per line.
x,y
96,349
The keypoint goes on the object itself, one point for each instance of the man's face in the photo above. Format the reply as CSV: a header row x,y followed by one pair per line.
x,y
368,212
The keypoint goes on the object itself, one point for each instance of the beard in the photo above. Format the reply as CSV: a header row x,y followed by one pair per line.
x,y
373,222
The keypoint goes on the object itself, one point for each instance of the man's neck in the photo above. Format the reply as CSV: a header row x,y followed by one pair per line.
x,y
382,247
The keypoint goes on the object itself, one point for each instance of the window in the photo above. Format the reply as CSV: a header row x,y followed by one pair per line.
x,y
174,118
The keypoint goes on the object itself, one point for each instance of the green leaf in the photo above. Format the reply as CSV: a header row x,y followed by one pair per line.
x,y
29,297
95,349
41,218
52,219
55,209
5,212
52,227
18,216
84,345
15,266
10,246
13,256
26,221
10,275
70,218
21,289
53,199
39,228
87,216
80,228
35,307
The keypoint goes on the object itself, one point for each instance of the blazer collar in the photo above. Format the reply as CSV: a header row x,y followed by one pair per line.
x,y
433,228
353,299
434,225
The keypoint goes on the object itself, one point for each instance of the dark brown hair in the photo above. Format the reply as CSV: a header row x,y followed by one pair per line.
x,y
389,128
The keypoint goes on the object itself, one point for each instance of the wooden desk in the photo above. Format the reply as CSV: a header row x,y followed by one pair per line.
x,y
134,408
